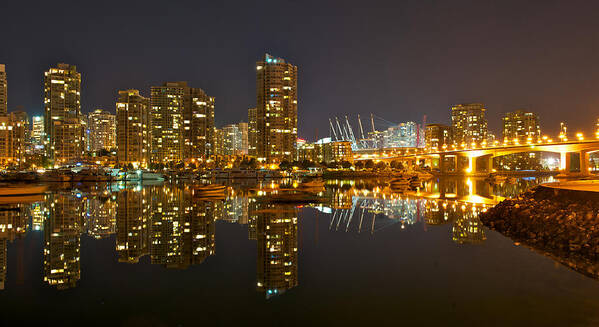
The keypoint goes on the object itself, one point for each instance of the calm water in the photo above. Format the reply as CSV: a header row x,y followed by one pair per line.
x,y
131,255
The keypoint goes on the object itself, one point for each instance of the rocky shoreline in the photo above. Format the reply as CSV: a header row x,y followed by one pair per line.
x,y
563,224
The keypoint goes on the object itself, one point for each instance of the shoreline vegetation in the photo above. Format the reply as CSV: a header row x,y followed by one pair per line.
x,y
560,223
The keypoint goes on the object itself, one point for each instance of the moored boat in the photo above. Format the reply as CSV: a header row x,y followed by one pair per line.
x,y
209,190
316,183
21,190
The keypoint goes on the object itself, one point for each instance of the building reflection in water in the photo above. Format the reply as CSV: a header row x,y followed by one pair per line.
x,y
276,231
62,240
132,220
13,225
100,220
176,230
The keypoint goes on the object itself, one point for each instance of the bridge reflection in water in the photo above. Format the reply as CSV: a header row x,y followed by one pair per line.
x,y
457,201
164,225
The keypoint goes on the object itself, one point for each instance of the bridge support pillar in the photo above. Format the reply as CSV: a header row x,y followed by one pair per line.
x,y
575,163
448,162
584,162
471,166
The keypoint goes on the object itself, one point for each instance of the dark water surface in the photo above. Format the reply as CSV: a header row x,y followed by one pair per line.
x,y
153,255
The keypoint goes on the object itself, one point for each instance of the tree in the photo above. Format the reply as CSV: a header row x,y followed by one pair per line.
x,y
346,164
396,164
359,164
369,164
252,164
284,165
130,166
381,165
102,153
180,165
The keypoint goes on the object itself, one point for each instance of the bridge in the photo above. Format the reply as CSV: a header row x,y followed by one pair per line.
x,y
574,156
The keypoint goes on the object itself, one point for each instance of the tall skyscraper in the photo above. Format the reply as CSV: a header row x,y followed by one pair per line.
x,y
276,109
198,123
252,132
219,142
243,129
402,135
37,130
437,135
232,140
102,130
521,125
3,90
469,124
62,117
182,120
132,125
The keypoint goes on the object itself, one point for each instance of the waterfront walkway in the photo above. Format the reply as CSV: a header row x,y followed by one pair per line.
x,y
579,185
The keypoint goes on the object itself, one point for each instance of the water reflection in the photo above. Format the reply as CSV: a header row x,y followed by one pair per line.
x,y
176,230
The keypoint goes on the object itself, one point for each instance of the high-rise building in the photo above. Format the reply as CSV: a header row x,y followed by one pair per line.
x,y
13,138
232,140
219,141
404,135
132,124
3,91
102,130
276,109
37,130
198,123
522,126
182,120
252,131
468,123
437,135
62,117
243,129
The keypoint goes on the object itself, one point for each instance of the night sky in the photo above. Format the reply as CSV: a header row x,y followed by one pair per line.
x,y
397,59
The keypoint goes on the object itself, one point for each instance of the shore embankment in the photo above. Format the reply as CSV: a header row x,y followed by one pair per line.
x,y
559,220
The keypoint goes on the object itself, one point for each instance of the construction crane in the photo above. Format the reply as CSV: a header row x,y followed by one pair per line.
x,y
363,140
333,129
339,127
351,133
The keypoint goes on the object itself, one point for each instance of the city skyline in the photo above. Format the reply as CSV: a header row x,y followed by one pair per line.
x,y
431,67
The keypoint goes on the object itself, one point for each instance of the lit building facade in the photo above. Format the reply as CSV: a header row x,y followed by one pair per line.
x,y
244,130
276,110
62,117
3,91
437,135
522,126
132,128
102,130
37,131
198,123
252,131
182,121
232,140
404,135
468,123
219,141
